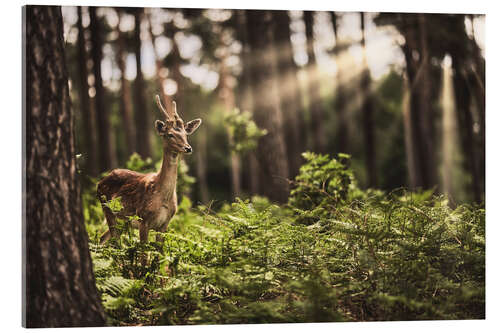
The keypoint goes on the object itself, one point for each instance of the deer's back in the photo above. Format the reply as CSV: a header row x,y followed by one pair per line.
x,y
134,188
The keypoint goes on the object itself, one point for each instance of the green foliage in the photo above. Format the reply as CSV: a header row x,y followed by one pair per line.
x,y
136,163
243,130
322,181
334,253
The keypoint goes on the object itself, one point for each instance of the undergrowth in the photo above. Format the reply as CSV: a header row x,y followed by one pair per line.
x,y
333,253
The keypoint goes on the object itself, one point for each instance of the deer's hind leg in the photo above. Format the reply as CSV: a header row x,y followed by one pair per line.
x,y
143,232
111,220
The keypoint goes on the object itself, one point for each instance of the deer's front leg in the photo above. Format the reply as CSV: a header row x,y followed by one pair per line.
x,y
143,232
160,238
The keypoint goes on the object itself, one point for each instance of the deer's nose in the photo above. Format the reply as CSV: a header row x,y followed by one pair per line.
x,y
188,149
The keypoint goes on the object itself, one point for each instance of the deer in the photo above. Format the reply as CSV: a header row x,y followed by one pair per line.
x,y
151,196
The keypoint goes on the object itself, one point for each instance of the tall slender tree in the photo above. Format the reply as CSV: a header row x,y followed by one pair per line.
x,y
423,86
367,109
125,95
271,150
342,138
141,109
59,285
107,156
417,53
226,94
245,94
462,52
315,104
88,116
289,89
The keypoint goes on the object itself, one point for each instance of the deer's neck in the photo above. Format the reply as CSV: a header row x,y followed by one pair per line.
x,y
167,176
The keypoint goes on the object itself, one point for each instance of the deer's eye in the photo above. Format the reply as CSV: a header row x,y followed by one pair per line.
x,y
170,135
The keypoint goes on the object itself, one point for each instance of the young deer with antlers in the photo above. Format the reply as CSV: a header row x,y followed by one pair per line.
x,y
150,196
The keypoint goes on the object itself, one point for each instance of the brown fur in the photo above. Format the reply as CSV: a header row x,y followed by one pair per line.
x,y
141,195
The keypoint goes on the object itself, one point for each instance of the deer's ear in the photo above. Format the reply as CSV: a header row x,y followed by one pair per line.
x,y
160,127
192,125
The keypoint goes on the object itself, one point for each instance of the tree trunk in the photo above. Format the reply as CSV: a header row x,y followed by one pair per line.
x,y
315,106
424,85
201,164
449,133
125,97
288,83
59,281
107,158
465,123
342,138
465,75
88,116
245,96
141,111
226,94
159,79
176,75
413,174
420,85
410,104
271,150
367,110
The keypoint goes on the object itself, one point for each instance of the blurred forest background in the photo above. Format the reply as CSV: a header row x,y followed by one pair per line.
x,y
403,94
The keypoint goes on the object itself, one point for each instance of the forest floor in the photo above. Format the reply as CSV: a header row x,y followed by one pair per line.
x,y
332,253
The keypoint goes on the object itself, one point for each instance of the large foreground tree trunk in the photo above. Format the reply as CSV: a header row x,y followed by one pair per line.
x,y
271,151
59,280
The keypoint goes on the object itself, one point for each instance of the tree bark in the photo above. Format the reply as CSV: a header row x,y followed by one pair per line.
x,y
290,95
88,116
271,150
141,111
59,280
125,96
107,157
367,110
315,106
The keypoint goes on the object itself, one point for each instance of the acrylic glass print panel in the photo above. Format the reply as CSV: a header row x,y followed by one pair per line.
x,y
219,166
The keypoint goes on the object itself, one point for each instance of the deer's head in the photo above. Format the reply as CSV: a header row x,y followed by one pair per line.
x,y
173,130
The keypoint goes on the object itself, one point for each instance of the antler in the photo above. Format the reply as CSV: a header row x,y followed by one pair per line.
x,y
172,114
162,109
176,115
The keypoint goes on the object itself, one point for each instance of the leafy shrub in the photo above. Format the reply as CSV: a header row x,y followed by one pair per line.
x,y
322,181
243,130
